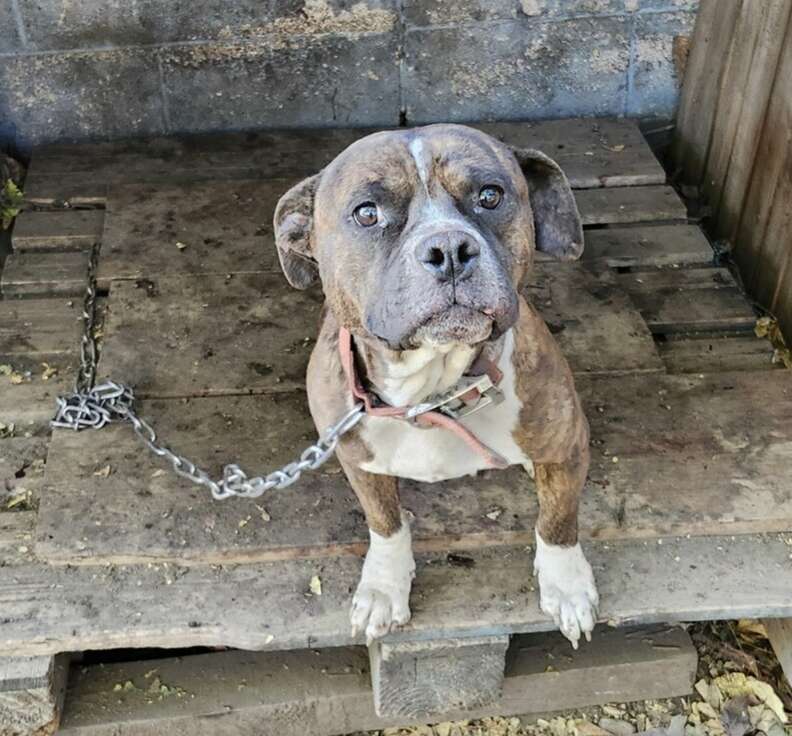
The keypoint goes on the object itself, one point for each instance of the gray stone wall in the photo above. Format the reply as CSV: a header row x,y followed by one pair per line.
x,y
74,69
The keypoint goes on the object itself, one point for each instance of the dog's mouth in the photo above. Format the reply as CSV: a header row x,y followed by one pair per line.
x,y
456,324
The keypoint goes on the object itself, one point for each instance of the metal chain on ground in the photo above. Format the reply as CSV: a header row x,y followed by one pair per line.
x,y
90,406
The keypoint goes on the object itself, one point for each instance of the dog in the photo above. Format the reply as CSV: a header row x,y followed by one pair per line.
x,y
422,240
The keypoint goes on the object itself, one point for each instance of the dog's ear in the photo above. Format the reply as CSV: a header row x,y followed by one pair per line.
x,y
557,225
293,226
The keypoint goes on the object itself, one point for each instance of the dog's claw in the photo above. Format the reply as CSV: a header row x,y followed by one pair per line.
x,y
567,590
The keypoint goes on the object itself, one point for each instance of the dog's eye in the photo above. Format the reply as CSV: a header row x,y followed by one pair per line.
x,y
365,214
490,196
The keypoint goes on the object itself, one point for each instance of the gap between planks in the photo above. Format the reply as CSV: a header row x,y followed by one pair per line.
x,y
326,692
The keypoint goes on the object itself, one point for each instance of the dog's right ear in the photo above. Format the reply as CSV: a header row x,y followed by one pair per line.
x,y
293,226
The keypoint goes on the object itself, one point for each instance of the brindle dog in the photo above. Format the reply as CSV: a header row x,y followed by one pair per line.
x,y
422,240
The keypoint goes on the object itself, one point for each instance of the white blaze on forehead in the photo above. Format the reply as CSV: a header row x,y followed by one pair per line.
x,y
420,156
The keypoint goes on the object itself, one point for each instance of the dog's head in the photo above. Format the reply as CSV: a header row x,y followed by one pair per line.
x,y
425,235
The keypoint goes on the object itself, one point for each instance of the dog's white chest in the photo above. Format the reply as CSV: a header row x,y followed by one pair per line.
x,y
432,454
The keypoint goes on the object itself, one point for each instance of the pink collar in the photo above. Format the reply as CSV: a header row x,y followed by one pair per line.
x,y
437,413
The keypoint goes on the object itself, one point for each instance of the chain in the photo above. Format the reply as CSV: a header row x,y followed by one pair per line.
x,y
86,373
90,406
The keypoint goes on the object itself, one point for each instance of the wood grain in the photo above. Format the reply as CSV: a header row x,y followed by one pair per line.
x,y
44,274
266,606
694,456
57,230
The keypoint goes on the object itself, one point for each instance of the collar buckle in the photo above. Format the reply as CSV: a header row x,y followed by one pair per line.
x,y
469,395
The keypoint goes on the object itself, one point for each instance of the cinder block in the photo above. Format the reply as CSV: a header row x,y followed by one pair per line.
x,y
655,85
445,12
78,95
54,24
284,81
419,678
9,37
518,69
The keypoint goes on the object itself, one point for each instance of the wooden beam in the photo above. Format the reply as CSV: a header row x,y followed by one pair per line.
x,y
327,692
417,679
49,609
31,694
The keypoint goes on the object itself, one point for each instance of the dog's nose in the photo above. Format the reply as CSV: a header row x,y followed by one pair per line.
x,y
450,255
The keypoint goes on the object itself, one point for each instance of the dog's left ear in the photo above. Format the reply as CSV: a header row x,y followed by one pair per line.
x,y
557,225
293,226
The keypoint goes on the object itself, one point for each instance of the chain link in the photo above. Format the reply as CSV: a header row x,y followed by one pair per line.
x,y
90,406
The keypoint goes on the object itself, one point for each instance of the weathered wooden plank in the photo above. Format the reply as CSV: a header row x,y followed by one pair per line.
x,y
686,300
772,282
39,327
593,320
701,88
716,352
779,631
196,335
220,229
620,205
44,274
57,230
695,455
48,609
748,76
646,247
31,694
326,692
415,679
768,168
594,152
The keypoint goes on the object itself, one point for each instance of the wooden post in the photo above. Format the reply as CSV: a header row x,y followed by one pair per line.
x,y
31,694
779,631
417,678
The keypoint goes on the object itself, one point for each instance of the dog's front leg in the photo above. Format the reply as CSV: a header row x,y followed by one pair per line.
x,y
567,589
382,598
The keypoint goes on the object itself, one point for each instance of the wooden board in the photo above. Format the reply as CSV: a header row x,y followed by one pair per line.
x,y
712,38
694,456
687,300
16,540
49,609
779,631
228,229
594,153
327,692
620,205
39,327
210,335
44,274
716,352
57,230
647,246
221,228
593,320
186,336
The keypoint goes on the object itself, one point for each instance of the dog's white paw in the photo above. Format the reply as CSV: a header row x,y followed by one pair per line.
x,y
567,590
382,598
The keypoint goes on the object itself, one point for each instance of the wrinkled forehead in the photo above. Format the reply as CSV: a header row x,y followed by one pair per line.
x,y
400,161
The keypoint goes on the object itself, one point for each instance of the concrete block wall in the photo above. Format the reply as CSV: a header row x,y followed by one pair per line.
x,y
76,69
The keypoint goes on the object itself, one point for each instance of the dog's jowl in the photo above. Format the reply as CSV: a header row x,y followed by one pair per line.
x,y
422,240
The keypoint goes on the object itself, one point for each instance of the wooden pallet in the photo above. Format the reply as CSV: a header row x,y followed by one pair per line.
x,y
687,514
